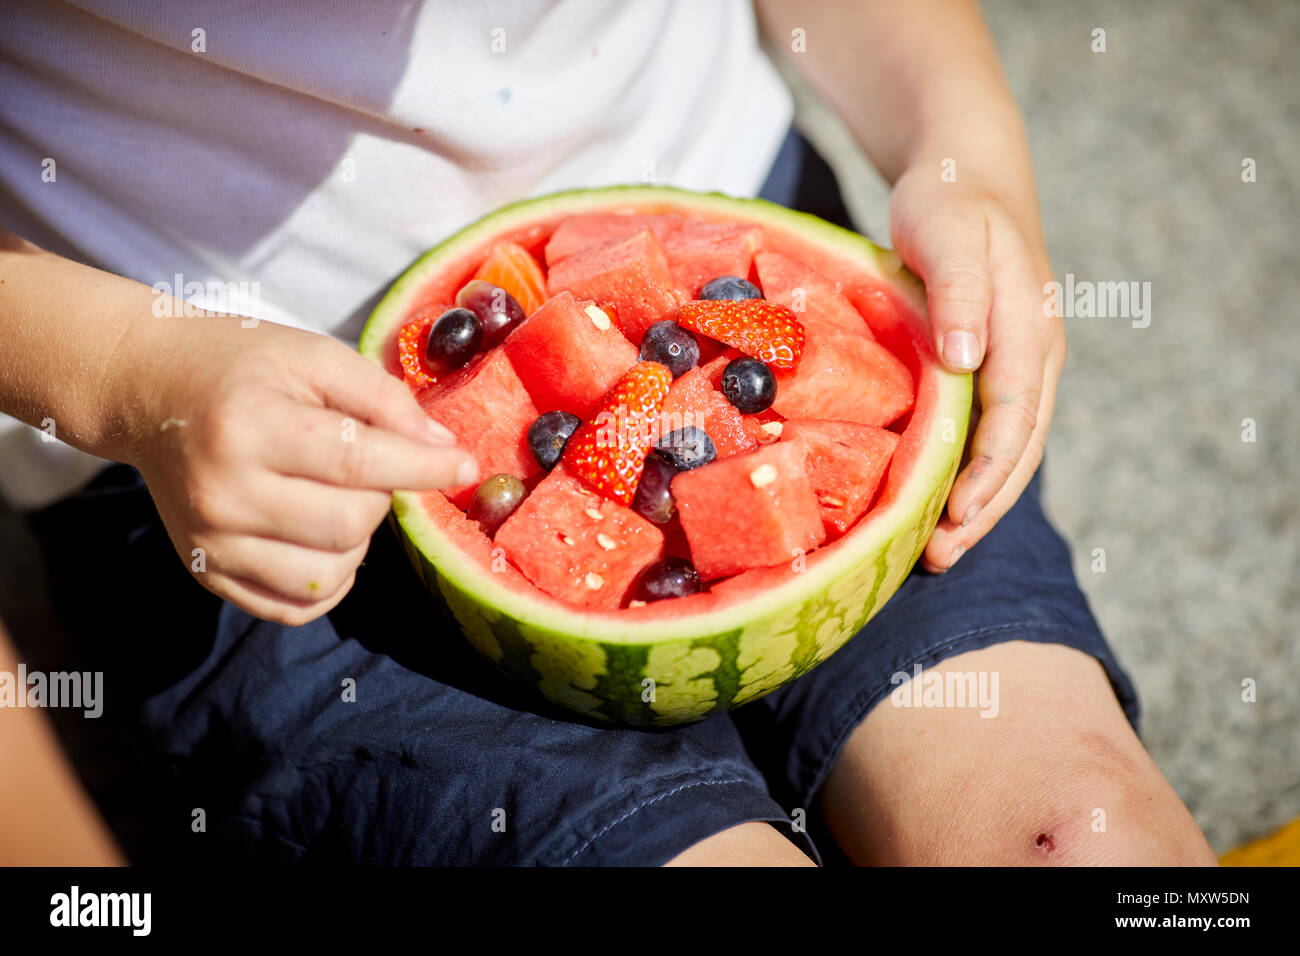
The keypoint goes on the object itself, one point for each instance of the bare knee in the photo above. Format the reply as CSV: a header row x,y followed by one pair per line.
x,y
1084,800
746,844
1099,805
1058,778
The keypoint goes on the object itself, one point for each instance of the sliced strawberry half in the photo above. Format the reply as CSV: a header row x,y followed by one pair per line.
x,y
763,329
608,451
411,344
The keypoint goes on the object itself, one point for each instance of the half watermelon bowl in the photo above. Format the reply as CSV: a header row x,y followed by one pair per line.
x,y
674,661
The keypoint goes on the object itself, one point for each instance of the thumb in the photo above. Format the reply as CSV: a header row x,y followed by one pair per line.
x,y
950,251
350,383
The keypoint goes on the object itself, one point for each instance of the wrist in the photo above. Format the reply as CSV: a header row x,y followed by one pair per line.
x,y
985,153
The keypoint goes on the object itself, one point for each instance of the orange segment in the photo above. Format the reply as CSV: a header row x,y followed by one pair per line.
x,y
510,266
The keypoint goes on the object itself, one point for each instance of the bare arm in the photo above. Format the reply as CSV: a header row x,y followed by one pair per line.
x,y
236,427
917,83
920,87
62,324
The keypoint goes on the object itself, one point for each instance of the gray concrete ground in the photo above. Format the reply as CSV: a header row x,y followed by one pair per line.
x,y
1139,153
1139,156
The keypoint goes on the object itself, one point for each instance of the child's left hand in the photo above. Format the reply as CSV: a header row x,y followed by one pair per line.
x,y
984,274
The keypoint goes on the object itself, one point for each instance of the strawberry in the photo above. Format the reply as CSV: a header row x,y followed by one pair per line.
x,y
411,343
608,451
763,329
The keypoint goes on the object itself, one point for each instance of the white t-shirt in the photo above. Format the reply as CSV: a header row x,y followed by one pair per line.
x,y
306,152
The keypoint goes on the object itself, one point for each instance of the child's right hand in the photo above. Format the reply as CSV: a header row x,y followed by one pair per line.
x,y
271,454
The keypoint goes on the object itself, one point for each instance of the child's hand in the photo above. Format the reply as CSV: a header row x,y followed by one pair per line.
x,y
275,452
984,279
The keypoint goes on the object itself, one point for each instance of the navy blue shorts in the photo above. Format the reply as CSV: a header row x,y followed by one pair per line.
x,y
376,735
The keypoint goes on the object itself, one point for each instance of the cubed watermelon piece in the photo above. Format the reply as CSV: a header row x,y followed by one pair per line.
x,y
700,251
468,536
632,276
813,297
693,401
569,357
489,412
578,546
845,377
846,462
697,251
580,233
749,511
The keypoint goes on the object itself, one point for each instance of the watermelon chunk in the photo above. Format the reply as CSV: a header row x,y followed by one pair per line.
x,y
578,546
845,377
632,276
699,251
489,412
469,537
846,462
752,510
580,233
809,294
693,401
567,357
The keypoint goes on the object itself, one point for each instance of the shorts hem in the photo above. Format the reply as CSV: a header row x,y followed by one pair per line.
x,y
663,830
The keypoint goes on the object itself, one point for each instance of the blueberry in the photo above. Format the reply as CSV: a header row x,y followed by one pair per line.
x,y
730,287
669,344
687,448
548,434
748,384
495,500
496,309
668,578
453,340
653,499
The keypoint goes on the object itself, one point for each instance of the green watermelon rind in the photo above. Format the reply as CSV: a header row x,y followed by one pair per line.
x,y
662,670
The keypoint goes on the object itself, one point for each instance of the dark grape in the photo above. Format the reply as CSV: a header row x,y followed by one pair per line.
x,y
495,500
653,499
668,578
548,434
453,340
495,308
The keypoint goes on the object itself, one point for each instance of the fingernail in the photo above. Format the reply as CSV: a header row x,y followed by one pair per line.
x,y
970,514
441,433
467,473
957,552
961,350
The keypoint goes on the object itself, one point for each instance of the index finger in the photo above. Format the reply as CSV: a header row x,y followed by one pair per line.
x,y
328,446
350,383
